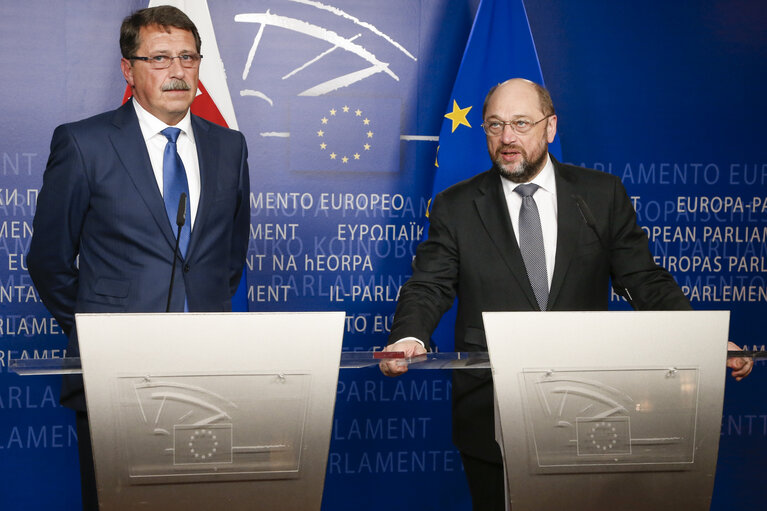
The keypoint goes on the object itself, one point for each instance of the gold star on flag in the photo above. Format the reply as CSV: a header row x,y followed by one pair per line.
x,y
458,116
346,108
333,156
358,112
332,111
370,134
367,147
345,159
324,120
320,133
323,145
366,122
356,156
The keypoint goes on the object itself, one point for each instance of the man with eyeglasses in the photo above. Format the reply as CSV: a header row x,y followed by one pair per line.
x,y
117,184
529,234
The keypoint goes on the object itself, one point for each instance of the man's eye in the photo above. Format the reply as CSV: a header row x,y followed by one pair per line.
x,y
185,58
160,59
495,125
521,123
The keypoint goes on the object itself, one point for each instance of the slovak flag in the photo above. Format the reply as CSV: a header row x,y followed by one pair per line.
x,y
213,102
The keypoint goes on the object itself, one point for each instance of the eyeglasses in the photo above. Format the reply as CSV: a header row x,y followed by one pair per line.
x,y
189,60
520,126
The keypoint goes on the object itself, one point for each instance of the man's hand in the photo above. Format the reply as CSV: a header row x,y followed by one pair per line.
x,y
741,367
395,367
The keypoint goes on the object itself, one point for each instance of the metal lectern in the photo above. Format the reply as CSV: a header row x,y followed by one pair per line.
x,y
210,411
608,410
595,410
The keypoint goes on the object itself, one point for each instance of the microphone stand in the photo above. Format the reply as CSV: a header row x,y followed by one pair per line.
x,y
180,221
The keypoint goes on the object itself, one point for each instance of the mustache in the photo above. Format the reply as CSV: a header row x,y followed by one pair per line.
x,y
175,84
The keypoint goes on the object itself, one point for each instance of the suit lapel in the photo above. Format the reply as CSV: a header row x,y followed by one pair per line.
x,y
129,145
207,148
569,225
494,214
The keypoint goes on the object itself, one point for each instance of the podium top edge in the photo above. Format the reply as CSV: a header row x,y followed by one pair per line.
x,y
349,360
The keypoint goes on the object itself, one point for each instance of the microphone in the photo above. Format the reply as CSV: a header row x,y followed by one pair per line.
x,y
588,218
181,214
180,221
587,215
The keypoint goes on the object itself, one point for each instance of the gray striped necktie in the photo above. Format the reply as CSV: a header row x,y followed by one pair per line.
x,y
531,244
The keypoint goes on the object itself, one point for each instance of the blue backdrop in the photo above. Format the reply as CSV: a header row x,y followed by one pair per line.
x,y
666,95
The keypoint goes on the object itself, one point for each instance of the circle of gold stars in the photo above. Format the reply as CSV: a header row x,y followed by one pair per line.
x,y
365,124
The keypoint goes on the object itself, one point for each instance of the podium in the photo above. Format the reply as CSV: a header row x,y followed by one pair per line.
x,y
210,411
596,409
608,410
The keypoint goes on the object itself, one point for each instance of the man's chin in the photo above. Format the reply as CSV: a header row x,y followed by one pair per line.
x,y
180,104
178,97
519,173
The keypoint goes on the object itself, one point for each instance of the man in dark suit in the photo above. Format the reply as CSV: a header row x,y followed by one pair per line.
x,y
589,234
110,196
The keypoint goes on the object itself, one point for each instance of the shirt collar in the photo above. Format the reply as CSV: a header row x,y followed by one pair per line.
x,y
151,125
545,179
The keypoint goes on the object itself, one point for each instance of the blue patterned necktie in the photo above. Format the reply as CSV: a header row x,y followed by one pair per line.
x,y
531,244
174,183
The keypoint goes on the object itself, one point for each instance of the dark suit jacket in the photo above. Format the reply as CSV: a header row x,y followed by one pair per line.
x,y
100,201
471,252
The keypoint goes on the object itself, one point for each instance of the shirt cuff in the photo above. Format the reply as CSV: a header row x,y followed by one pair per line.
x,y
419,341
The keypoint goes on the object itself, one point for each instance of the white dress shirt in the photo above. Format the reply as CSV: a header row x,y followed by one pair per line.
x,y
155,142
546,201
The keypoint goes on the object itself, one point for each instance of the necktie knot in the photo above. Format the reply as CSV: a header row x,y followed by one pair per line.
x,y
527,190
171,134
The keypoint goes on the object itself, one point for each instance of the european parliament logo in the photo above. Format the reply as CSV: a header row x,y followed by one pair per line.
x,y
196,427
211,443
603,436
345,134
639,417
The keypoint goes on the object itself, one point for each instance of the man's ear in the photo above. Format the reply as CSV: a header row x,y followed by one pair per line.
x,y
551,128
127,70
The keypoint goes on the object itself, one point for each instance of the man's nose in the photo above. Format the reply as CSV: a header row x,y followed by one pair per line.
x,y
176,70
508,135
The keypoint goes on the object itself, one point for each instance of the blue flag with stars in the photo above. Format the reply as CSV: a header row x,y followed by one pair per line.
x,y
500,47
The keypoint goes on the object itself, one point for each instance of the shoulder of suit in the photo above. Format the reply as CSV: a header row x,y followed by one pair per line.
x,y
91,132
95,121
574,173
469,186
215,128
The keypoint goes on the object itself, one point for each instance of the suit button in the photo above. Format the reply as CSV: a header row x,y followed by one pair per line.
x,y
187,268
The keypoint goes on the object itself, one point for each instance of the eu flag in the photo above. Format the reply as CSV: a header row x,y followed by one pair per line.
x,y
500,47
